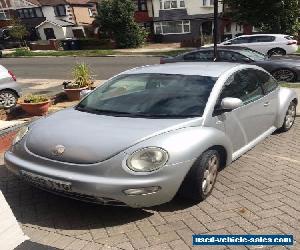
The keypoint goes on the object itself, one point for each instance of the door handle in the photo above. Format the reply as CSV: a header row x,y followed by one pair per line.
x,y
266,104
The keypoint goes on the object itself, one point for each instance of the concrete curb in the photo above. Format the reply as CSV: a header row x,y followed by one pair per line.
x,y
83,56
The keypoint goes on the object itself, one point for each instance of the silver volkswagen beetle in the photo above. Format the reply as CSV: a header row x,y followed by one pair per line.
x,y
153,132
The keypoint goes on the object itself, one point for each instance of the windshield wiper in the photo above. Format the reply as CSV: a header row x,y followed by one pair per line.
x,y
102,111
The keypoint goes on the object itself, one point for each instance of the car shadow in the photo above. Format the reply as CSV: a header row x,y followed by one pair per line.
x,y
34,207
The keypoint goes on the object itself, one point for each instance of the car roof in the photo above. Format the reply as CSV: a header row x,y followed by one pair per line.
x,y
277,35
220,48
212,69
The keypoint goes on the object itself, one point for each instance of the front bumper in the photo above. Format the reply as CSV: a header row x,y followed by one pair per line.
x,y
104,182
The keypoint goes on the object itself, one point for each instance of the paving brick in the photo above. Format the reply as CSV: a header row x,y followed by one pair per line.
x,y
162,238
224,215
113,240
77,245
219,224
196,226
137,239
63,242
172,226
179,245
269,213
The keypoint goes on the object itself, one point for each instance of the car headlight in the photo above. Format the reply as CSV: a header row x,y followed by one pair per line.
x,y
19,136
147,159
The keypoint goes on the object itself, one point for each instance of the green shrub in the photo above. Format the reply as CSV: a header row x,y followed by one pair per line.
x,y
22,52
35,98
82,77
116,20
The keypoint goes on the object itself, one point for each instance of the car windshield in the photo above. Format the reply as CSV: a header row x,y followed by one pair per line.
x,y
151,95
252,54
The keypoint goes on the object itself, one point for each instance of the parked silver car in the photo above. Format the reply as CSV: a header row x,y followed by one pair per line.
x,y
10,90
152,132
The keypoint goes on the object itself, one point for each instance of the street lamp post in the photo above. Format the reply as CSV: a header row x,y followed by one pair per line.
x,y
216,29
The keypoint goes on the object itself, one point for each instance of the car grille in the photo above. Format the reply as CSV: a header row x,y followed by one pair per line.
x,y
83,197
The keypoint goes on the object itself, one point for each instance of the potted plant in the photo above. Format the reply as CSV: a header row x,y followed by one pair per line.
x,y
36,105
82,80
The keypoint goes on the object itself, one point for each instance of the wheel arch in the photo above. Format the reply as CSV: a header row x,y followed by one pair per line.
x,y
275,49
286,96
12,90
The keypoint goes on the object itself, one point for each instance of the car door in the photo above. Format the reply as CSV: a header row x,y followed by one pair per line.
x,y
261,44
245,124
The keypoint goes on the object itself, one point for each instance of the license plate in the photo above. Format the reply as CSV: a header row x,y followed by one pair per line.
x,y
46,182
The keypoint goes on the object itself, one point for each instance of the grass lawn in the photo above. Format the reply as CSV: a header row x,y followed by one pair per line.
x,y
290,85
27,53
82,53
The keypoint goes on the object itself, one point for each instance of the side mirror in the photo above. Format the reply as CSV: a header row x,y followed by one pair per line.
x,y
247,60
230,103
84,93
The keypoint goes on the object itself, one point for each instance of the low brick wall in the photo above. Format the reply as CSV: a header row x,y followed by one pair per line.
x,y
6,140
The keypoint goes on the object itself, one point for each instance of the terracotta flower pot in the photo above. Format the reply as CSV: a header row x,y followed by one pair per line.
x,y
74,94
36,109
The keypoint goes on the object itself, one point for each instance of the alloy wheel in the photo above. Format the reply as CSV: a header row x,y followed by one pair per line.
x,y
290,116
7,99
284,75
210,174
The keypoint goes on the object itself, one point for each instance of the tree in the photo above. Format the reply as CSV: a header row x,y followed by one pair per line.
x,y
272,16
116,18
18,31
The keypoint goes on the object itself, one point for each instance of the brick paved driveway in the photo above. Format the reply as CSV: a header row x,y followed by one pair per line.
x,y
259,193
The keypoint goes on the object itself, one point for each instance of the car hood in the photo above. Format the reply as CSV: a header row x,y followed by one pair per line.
x,y
284,61
90,138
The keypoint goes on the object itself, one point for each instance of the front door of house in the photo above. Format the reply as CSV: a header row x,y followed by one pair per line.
x,y
49,33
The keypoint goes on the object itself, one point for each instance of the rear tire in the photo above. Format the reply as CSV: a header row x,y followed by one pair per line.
x,y
276,52
201,179
8,99
284,75
290,117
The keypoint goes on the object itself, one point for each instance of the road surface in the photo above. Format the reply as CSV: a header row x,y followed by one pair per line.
x,y
61,67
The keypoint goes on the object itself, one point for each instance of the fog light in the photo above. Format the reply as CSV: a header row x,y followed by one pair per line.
x,y
142,191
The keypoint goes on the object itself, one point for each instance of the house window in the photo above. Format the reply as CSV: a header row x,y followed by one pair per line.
x,y
140,5
174,27
208,2
172,4
4,15
91,14
60,10
38,12
30,13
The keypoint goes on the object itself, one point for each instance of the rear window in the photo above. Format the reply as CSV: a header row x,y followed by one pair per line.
x,y
289,37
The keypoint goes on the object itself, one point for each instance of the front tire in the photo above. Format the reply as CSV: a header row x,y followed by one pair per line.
x,y
201,179
290,117
8,99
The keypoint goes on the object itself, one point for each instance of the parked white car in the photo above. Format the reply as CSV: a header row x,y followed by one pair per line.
x,y
10,90
268,44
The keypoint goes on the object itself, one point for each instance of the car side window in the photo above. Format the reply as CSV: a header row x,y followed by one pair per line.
x,y
240,40
268,83
200,56
262,39
244,85
229,56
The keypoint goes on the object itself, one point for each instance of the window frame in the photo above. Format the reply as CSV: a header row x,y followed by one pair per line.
x,y
180,4
163,23
245,103
57,10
